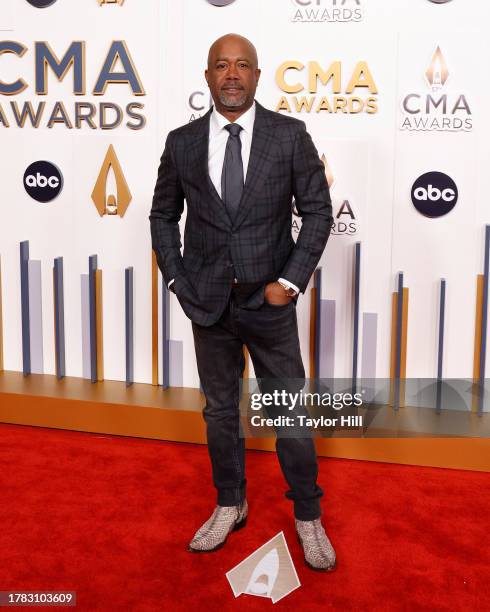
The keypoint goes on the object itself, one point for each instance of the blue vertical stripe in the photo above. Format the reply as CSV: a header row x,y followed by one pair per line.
x,y
318,319
128,278
440,348
24,295
165,336
484,315
59,317
92,267
355,342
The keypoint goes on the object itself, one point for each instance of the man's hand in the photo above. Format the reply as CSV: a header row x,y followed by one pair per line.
x,y
276,295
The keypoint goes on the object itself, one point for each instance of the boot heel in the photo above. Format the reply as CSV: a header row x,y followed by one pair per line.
x,y
240,524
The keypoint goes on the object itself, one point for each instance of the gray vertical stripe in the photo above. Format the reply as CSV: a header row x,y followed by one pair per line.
x,y
35,316
86,371
398,348
24,296
166,356
368,358
128,278
327,339
176,350
92,267
440,348
369,343
59,317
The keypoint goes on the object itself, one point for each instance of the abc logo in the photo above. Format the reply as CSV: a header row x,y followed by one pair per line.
x,y
434,194
41,3
43,181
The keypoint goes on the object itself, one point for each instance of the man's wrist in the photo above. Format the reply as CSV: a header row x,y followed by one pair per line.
x,y
290,289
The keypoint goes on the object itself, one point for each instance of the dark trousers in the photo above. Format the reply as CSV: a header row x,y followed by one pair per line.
x,y
270,334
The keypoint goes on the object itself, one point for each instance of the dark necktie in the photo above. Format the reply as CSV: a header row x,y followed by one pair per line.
x,y
232,174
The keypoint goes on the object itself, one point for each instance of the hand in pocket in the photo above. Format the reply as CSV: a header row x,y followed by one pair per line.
x,y
275,294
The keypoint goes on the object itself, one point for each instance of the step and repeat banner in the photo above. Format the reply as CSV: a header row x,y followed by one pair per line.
x,y
394,94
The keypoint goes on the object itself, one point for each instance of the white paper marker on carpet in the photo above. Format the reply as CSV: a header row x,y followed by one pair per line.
x,y
267,572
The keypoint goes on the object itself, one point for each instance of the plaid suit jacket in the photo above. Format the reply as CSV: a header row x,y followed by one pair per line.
x,y
257,247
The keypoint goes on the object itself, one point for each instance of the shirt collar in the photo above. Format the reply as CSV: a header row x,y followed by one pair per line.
x,y
246,121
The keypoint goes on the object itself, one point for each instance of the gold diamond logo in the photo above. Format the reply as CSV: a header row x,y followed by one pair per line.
x,y
437,73
101,2
111,204
328,171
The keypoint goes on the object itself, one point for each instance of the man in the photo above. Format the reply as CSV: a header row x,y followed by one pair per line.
x,y
238,167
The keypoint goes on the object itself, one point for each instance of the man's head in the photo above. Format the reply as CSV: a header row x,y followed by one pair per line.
x,y
232,74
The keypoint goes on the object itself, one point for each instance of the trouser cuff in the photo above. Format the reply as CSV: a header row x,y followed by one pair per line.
x,y
231,497
307,510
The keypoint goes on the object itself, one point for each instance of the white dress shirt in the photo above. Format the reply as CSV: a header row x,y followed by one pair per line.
x,y
218,138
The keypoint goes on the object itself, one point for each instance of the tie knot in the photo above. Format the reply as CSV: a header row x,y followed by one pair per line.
x,y
234,128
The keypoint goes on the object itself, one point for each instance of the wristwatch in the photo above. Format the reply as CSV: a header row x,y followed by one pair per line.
x,y
290,292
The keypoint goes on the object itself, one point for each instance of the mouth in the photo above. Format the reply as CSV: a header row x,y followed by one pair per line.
x,y
232,89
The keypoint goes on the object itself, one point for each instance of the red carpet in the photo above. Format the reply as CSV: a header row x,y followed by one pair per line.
x,y
110,517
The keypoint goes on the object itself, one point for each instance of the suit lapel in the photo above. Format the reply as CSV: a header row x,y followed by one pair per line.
x,y
263,143
259,162
198,160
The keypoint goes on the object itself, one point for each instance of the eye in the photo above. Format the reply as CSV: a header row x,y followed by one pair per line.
x,y
243,65
221,65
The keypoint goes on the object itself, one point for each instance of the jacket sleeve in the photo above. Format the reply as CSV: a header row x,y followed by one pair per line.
x,y
311,193
166,210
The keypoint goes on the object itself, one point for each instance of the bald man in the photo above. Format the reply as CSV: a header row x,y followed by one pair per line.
x,y
238,168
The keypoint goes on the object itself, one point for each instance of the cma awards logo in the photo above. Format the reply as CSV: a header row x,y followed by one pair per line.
x,y
330,89
346,221
198,103
111,204
48,66
308,11
439,109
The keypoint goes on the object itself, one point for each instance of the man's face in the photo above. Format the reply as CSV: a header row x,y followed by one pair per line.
x,y
232,75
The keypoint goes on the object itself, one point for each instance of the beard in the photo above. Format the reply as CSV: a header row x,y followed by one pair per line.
x,y
232,101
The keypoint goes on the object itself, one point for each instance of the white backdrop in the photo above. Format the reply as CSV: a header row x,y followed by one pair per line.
x,y
373,161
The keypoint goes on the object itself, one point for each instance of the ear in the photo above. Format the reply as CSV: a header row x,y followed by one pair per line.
x,y
258,72
206,76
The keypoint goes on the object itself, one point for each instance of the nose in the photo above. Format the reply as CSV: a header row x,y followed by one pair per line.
x,y
232,72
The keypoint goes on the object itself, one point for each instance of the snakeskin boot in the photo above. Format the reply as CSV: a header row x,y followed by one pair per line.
x,y
319,552
213,534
